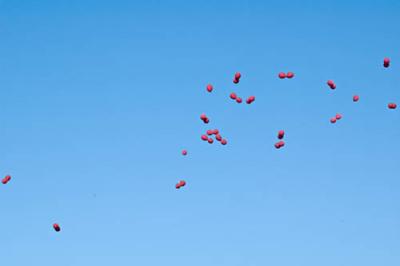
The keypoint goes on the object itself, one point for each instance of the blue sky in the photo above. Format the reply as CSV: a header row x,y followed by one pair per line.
x,y
98,98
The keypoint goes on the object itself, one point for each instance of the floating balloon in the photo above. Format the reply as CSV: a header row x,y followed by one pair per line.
x,y
333,120
210,132
236,81
204,137
6,179
356,98
290,75
218,137
239,100
282,75
233,96
56,227
184,152
182,183
331,84
238,75
392,106
210,88
210,140
386,62
281,134
224,142
279,144
338,116
250,99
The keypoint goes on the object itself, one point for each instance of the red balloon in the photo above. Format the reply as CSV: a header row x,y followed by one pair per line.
x,y
56,227
281,134
216,131
224,142
182,183
210,88
218,137
236,81
338,116
356,98
6,179
204,137
333,120
279,144
210,140
290,75
210,132
206,121
238,75
331,84
386,62
233,96
392,106
250,99
184,152
239,100
203,117
178,186
282,75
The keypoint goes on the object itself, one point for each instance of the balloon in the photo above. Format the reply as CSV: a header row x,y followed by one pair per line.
x,y
386,62
392,106
204,137
333,120
338,116
210,88
356,98
210,140
281,134
290,75
238,75
239,100
250,99
184,152
233,96
6,179
218,137
279,144
224,142
282,75
56,227
210,132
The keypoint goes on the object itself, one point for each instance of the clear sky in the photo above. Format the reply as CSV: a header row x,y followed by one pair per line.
x,y
98,98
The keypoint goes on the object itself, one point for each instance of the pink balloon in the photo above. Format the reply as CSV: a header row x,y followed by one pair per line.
x,y
386,62
224,142
392,106
210,140
356,98
184,152
338,116
210,88
281,134
6,179
233,96
204,137
56,227
239,100
238,75
282,75
333,120
290,75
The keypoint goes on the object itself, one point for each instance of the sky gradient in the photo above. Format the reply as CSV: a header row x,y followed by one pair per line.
x,y
98,98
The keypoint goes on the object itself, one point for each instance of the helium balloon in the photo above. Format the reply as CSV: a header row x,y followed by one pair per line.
x,y
279,144
210,88
333,120
356,98
218,137
184,152
6,179
282,75
204,137
239,100
224,142
236,81
290,75
338,116
392,106
56,227
233,96
210,132
386,62
210,140
281,134
238,75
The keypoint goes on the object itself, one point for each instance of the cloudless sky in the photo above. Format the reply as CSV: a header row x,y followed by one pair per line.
x,y
98,98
